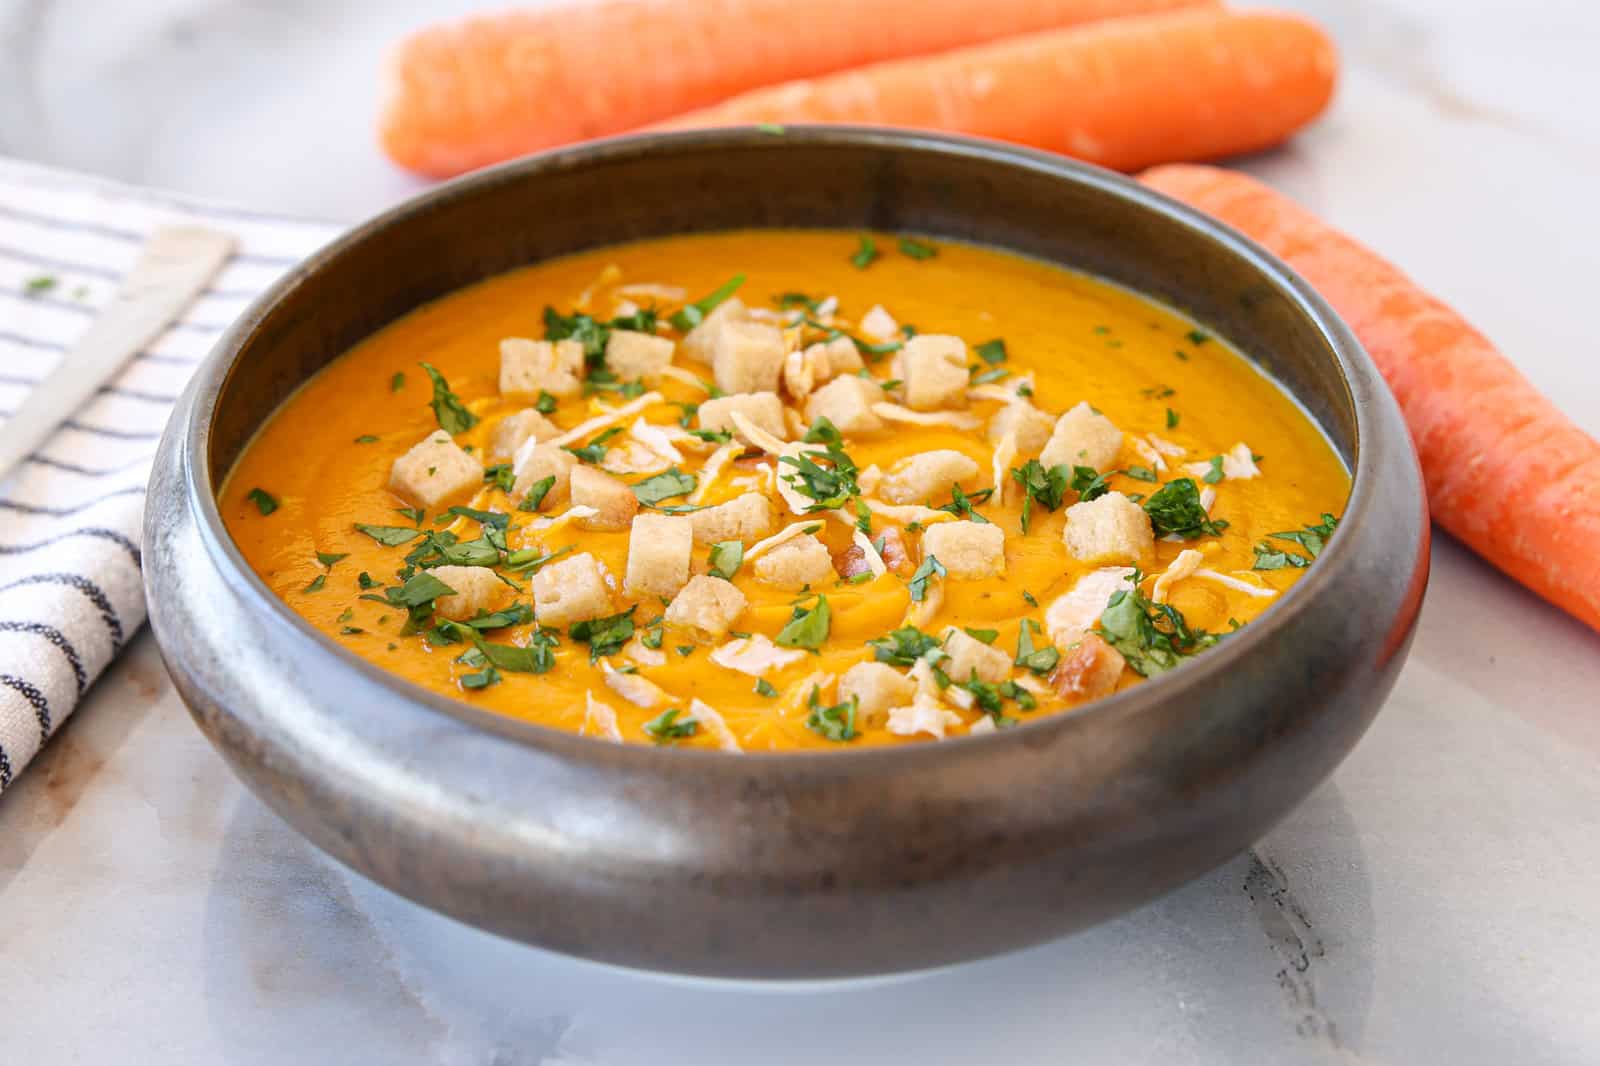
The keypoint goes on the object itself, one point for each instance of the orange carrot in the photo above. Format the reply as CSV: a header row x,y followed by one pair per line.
x,y
1124,93
489,88
1506,471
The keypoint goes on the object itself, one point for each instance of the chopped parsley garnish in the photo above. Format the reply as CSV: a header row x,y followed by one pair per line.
x,y
529,560
595,450
988,376
481,678
1027,598
329,558
771,129
397,382
866,253
364,580
829,486
836,723
1141,473
390,536
366,438
490,519
1172,419
264,501
537,658
605,636
501,476
1158,392
653,634
1213,475
726,558
663,486
1089,484
546,403
691,315
992,352
1039,660
931,567
316,583
864,518
1175,508
961,504
712,436
665,727
1152,637
788,301
904,646
1196,337
987,636
582,328
1045,487
516,615
452,414
912,248
822,431
413,513
1312,538
764,688
806,628
39,285
537,492
684,650
1270,558
416,595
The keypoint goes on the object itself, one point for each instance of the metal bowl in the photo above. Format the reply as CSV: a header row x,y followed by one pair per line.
x,y
799,865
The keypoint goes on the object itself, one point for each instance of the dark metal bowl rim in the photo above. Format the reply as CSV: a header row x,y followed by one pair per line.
x,y
1337,561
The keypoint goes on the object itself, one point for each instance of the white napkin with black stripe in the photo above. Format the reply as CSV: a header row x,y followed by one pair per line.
x,y
70,516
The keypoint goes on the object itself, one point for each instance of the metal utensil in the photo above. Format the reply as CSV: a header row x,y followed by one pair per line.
x,y
174,265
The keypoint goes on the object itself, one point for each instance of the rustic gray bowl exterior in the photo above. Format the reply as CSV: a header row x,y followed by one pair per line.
x,y
801,865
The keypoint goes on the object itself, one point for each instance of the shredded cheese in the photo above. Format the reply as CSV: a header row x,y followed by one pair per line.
x,y
893,412
758,437
703,713
761,547
642,655
922,715
599,719
1235,583
688,377
874,561
1005,453
600,421
1185,565
1151,457
1076,612
755,655
1208,497
639,691
633,457
713,469
656,439
907,513
646,290
571,514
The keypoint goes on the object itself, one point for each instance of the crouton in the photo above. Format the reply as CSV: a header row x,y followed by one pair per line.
x,y
529,367
1033,426
876,688
435,470
634,356
658,555
879,324
763,409
796,563
610,496
516,430
699,342
1088,670
706,606
847,402
922,477
570,590
744,518
843,357
969,550
477,591
968,654
1083,437
534,463
1109,531
934,369
747,357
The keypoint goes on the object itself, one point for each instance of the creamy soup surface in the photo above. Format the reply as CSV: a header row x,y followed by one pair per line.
x,y
778,490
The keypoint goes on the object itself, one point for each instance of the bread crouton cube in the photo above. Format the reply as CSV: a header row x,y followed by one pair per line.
x,y
1111,530
1033,427
876,687
477,591
934,369
922,477
747,357
570,590
762,408
434,470
658,555
797,563
699,342
707,606
843,357
1089,670
745,518
634,356
968,550
847,402
530,367
1083,437
535,462
516,430
609,495
969,655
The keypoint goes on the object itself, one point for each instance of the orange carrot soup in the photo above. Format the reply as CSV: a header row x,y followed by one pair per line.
x,y
778,490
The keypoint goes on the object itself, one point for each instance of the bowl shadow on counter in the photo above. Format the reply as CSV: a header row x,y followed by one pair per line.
x,y
1223,969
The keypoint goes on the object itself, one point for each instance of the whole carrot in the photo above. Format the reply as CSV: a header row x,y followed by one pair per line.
x,y
1124,93
488,88
1506,471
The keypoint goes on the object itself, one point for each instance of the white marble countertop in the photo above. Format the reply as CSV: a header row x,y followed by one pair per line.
x,y
1437,901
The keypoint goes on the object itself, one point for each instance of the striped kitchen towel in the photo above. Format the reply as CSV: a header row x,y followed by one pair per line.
x,y
70,595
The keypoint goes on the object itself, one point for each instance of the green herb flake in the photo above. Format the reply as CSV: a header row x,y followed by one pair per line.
x,y
605,636
904,646
807,628
666,728
1141,473
1213,475
691,315
1027,597
1175,508
1029,655
987,636
1196,337
316,583
452,414
764,688
366,438
264,501
537,492
771,129
664,486
992,352
39,284
1172,419
329,558
836,723
397,382
866,253
726,558
595,450
545,404
912,248
931,567
1089,484
1152,637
